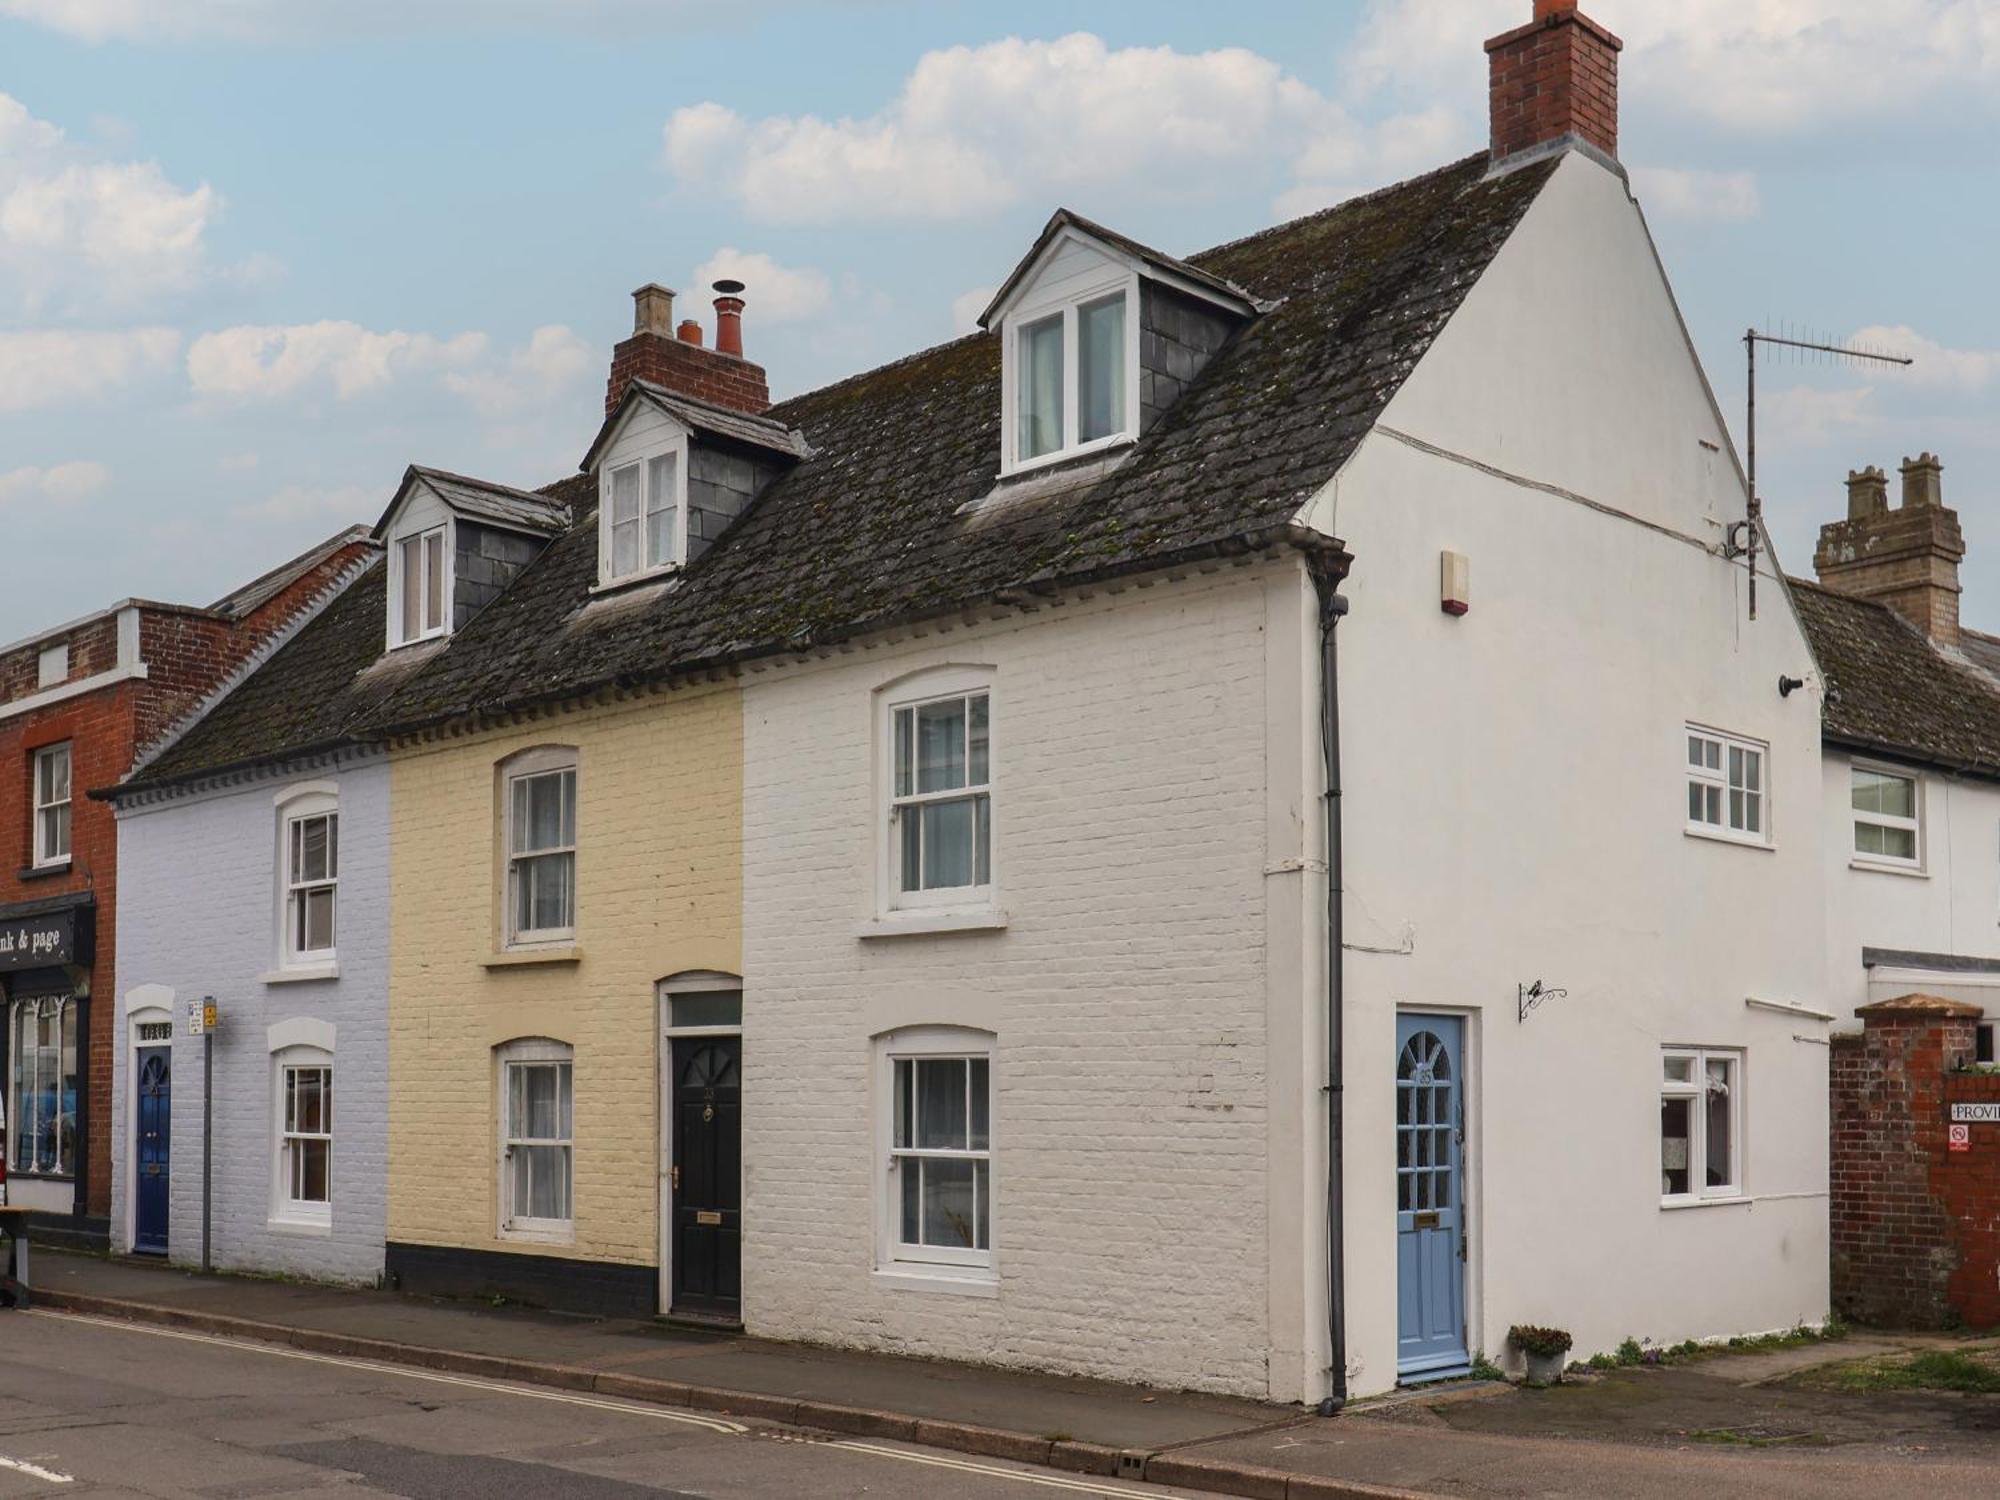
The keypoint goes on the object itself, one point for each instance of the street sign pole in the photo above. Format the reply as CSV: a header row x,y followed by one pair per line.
x,y
201,1023
207,1136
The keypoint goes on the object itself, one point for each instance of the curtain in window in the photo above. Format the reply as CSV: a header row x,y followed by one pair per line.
x,y
538,1129
626,506
1100,375
1040,397
662,494
544,819
942,1138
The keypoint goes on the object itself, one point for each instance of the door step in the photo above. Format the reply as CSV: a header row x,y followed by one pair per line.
x,y
700,1322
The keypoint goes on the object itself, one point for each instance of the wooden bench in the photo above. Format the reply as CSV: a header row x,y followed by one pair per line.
x,y
13,1257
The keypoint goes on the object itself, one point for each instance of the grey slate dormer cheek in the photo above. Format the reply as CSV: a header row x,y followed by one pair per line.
x,y
485,560
1178,335
721,486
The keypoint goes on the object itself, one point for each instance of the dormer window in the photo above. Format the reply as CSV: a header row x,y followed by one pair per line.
x,y
639,524
417,585
1098,338
1071,385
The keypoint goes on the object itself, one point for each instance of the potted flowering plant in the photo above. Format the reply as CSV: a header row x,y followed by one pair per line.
x,y
1544,1349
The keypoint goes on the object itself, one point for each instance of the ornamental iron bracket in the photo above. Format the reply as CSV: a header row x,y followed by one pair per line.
x,y
1532,995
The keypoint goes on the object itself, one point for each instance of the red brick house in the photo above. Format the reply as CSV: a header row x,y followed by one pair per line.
x,y
81,705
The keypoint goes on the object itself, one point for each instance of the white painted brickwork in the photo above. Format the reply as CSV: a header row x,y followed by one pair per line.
x,y
198,913
1127,995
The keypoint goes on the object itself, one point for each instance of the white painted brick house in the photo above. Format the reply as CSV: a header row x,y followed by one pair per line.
x,y
1565,761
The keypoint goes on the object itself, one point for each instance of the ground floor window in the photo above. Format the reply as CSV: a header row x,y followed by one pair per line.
x,y
1701,1113
42,1091
536,1079
305,1150
940,1208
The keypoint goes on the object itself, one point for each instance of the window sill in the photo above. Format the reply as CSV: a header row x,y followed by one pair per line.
x,y
538,1236
1732,1200
914,1279
303,974
1737,840
43,872
1095,448
921,921
662,574
14,1174
1888,867
521,958
309,1228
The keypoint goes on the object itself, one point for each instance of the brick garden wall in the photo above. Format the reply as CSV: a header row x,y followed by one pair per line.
x,y
1915,1239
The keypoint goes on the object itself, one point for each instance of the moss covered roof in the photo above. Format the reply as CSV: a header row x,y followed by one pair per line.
x,y
873,527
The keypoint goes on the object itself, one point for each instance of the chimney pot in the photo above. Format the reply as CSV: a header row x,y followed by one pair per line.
x,y
1554,79
673,358
1923,482
1867,493
653,309
729,318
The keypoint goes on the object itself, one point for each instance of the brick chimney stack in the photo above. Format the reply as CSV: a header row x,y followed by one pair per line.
x,y
1553,80
1908,557
674,358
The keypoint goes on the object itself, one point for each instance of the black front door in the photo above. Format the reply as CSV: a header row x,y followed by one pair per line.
x,y
708,1175
155,1142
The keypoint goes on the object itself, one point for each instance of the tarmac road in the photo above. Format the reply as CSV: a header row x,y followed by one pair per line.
x,y
94,1409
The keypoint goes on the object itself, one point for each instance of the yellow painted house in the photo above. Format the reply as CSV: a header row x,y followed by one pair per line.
x,y
565,860
528,1060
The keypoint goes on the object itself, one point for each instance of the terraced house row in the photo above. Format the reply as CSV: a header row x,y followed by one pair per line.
x,y
1177,837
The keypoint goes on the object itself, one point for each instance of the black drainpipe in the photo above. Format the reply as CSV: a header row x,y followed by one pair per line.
x,y
1326,575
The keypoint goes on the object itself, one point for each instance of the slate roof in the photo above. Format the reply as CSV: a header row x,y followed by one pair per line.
x,y
1063,219
483,500
702,416
873,527
1890,691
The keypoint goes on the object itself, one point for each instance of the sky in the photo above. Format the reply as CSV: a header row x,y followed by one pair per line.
x,y
256,256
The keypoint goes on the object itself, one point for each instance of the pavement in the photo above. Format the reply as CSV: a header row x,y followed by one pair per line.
x,y
1734,1425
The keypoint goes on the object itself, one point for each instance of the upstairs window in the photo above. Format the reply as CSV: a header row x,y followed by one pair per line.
x,y
941,798
541,851
52,799
1726,791
1071,384
1886,826
418,586
640,526
312,874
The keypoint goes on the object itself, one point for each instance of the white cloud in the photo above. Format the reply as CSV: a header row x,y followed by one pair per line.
x,y
74,227
1682,193
774,293
237,463
1937,367
1346,158
59,484
967,306
254,362
311,20
977,128
1770,65
552,361
46,368
1806,417
297,502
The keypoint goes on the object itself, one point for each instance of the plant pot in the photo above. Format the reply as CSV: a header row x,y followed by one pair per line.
x,y
1545,1369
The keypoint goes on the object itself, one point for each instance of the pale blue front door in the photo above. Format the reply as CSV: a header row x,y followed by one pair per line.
x,y
1430,1197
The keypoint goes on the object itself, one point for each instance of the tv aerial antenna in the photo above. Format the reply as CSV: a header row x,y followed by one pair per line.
x,y
1803,348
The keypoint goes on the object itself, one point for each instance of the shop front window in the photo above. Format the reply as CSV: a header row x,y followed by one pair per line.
x,y
42,1091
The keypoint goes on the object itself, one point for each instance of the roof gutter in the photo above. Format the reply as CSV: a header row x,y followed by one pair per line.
x,y
1025,593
